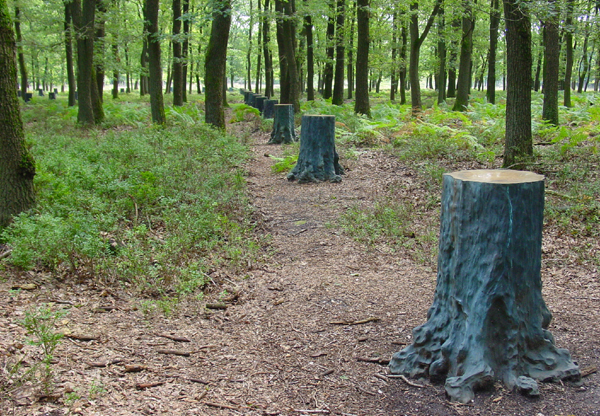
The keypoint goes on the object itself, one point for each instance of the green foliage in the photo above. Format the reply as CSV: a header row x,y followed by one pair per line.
x,y
40,323
154,207
289,159
243,112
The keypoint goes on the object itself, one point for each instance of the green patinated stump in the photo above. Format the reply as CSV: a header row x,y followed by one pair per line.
x,y
318,160
269,108
488,320
283,125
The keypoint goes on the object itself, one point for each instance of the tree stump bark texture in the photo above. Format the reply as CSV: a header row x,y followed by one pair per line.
x,y
488,320
283,125
269,109
318,160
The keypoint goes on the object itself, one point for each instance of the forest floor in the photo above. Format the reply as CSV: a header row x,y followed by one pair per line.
x,y
308,331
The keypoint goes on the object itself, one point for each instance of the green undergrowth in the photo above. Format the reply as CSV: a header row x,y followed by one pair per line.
x,y
154,208
439,140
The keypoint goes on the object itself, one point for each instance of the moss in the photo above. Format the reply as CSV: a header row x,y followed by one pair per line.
x,y
27,165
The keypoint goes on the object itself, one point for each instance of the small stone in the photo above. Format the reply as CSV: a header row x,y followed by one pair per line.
x,y
528,386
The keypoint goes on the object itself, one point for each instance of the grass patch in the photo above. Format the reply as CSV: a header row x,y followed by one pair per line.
x,y
152,207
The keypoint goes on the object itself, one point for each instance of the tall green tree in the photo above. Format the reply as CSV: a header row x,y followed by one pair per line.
x,y
21,54
340,51
178,78
494,24
551,64
518,145
361,102
17,167
157,106
466,52
215,62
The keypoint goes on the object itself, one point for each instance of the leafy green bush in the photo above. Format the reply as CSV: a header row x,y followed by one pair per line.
x,y
153,206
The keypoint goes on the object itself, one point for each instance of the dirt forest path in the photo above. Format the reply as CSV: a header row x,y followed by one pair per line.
x,y
299,335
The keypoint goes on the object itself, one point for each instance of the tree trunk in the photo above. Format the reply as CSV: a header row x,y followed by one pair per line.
x,y
185,51
569,54
361,103
249,51
177,71
69,55
259,54
494,24
394,69
584,61
99,56
157,107
83,19
551,65
115,89
340,52
329,50
416,41
292,84
465,63
144,68
17,167
402,73
283,125
269,109
310,58
350,49
538,69
215,64
21,55
267,53
318,160
441,78
518,140
488,320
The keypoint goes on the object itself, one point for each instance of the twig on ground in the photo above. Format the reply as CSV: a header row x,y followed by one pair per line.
x,y
221,406
174,338
216,306
315,411
142,386
5,254
588,371
407,381
366,391
173,352
375,360
362,321
101,364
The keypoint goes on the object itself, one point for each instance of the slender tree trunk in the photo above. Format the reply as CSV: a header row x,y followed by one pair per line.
x,y
402,73
185,62
350,50
249,52
115,89
157,106
17,167
99,54
215,64
257,87
551,65
267,52
284,93
21,55
416,41
494,24
177,71
538,69
83,19
518,141
310,62
441,78
340,52
69,55
292,77
361,103
569,53
465,63
584,61
329,50
394,69
144,68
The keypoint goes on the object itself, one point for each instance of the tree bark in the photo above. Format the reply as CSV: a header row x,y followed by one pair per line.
x,y
465,63
185,51
21,55
361,103
291,80
441,78
100,23
340,51
157,106
329,50
83,19
551,65
488,320
518,140
569,54
177,70
310,60
17,167
494,24
318,160
350,51
267,52
416,41
69,55
215,64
